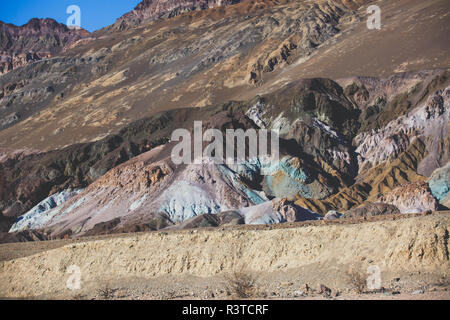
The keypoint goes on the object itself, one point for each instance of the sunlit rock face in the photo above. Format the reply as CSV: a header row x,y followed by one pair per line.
x,y
133,184
141,189
411,198
38,216
429,120
115,97
316,114
153,9
36,40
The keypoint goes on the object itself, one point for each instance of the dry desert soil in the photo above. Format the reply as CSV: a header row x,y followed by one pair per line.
x,y
276,262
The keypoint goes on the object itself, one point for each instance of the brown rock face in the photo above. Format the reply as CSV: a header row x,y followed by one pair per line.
x,y
34,41
153,9
371,209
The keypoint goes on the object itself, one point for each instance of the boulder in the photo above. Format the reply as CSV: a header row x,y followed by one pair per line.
x,y
332,215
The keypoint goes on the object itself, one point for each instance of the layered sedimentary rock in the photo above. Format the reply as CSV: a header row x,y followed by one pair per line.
x,y
428,121
252,182
42,213
150,186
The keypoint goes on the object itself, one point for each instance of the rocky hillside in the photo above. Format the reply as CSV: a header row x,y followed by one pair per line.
x,y
36,40
148,10
231,53
324,165
122,76
85,136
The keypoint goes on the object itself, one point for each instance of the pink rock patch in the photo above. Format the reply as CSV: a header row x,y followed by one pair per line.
x,y
411,198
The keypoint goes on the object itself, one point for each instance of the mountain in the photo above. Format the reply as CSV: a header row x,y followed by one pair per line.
x,y
148,10
208,57
36,40
85,137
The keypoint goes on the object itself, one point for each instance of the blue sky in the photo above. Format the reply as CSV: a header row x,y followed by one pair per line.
x,y
95,14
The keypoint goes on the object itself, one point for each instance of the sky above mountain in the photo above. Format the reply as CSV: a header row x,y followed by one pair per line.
x,y
95,14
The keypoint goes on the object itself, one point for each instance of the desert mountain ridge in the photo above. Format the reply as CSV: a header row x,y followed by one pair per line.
x,y
148,10
36,40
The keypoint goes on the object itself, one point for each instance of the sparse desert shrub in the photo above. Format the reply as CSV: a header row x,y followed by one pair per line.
x,y
357,279
241,284
105,292
79,296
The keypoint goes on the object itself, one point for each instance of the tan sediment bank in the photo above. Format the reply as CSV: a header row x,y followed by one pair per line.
x,y
416,244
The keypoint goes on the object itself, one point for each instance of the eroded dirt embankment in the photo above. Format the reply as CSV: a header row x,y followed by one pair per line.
x,y
414,245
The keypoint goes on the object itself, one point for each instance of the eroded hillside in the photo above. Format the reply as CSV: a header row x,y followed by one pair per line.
x,y
208,57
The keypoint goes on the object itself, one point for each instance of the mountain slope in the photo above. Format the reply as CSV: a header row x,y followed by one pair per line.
x,y
229,53
123,76
93,125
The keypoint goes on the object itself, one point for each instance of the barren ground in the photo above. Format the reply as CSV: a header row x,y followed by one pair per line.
x,y
411,252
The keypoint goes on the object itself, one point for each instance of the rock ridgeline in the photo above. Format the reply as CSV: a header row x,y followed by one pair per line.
x,y
153,9
36,40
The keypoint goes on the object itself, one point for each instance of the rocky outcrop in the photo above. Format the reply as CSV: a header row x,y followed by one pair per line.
x,y
344,143
10,62
116,77
371,209
411,198
317,167
439,183
319,23
228,218
42,213
316,115
36,40
148,10
145,188
249,183
373,184
22,236
276,211
429,120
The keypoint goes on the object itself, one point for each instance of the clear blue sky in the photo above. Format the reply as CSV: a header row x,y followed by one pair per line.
x,y
95,14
